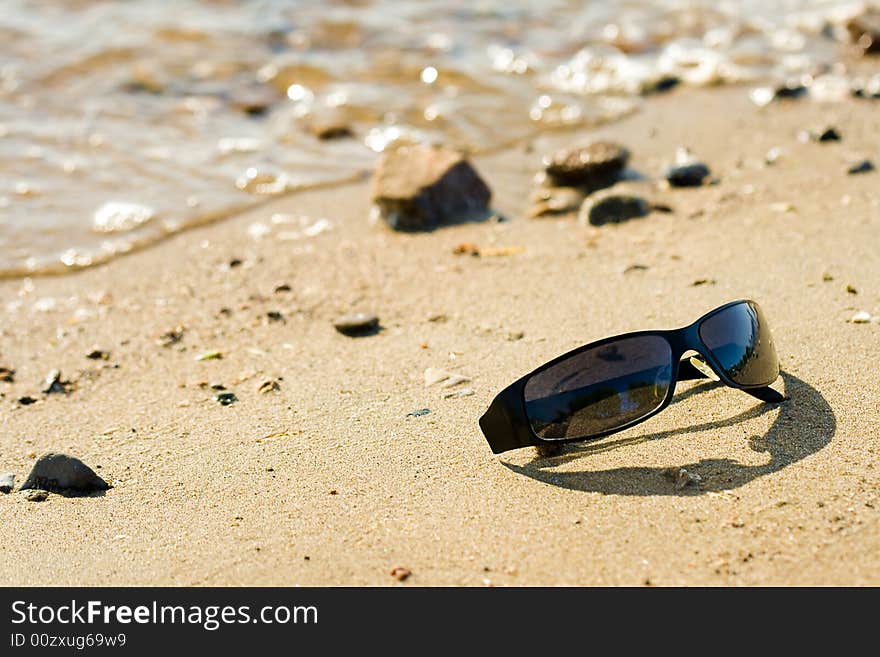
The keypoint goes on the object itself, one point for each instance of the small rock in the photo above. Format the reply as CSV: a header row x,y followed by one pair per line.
x,y
691,174
61,473
400,573
851,289
26,400
613,208
555,200
98,354
435,375
864,31
7,482
464,392
420,187
36,495
329,125
820,135
54,385
226,398
282,287
253,100
275,316
171,337
7,375
762,96
681,477
596,164
703,281
357,324
861,167
861,317
213,354
419,412
270,385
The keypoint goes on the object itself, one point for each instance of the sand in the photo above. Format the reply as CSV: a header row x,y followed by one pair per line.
x,y
328,481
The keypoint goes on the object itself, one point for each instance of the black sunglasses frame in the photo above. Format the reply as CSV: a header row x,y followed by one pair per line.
x,y
506,425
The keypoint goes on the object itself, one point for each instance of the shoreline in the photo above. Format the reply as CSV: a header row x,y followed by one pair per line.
x,y
209,495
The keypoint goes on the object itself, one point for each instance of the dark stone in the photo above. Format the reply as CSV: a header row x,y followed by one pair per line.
x,y
98,354
26,400
357,324
7,374
614,209
7,482
275,316
828,134
687,175
419,413
861,167
790,90
595,165
226,398
421,187
864,30
64,474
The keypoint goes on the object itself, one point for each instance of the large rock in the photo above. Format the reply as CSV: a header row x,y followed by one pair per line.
x,y
421,187
595,165
61,473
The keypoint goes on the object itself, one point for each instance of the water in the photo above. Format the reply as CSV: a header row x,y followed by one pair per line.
x,y
121,123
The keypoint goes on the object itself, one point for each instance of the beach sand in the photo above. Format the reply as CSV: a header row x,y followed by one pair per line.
x,y
329,481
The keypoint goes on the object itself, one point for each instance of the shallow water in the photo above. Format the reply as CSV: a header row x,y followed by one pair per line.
x,y
121,123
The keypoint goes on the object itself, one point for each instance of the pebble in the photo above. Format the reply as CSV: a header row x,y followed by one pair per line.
x,y
26,400
226,398
62,473
270,385
420,188
595,164
54,384
555,200
98,354
464,392
861,167
691,174
400,573
7,374
210,355
820,135
447,379
329,125
861,317
419,412
613,208
681,477
357,324
864,30
36,495
7,482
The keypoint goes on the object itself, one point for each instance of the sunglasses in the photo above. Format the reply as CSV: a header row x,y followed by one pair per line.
x,y
615,383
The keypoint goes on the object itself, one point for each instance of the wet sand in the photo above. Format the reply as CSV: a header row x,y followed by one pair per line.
x,y
329,481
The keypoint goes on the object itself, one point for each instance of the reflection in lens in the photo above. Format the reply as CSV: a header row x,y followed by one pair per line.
x,y
600,389
740,341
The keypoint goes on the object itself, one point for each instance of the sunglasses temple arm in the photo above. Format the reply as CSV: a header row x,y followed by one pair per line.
x,y
687,372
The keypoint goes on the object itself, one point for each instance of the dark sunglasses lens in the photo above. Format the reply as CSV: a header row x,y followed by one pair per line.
x,y
740,341
600,389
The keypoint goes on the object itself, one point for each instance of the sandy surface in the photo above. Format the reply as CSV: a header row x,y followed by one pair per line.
x,y
328,481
